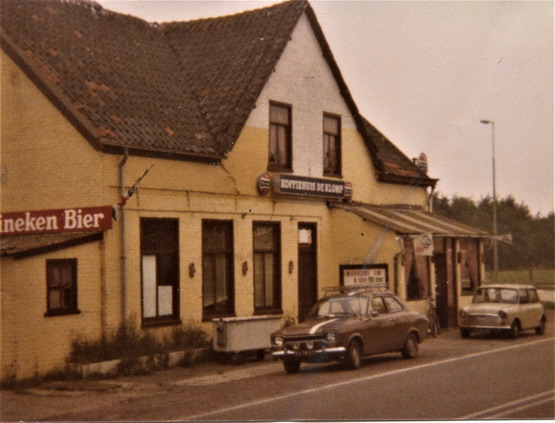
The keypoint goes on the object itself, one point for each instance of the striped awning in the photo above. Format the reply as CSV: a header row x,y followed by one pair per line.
x,y
410,220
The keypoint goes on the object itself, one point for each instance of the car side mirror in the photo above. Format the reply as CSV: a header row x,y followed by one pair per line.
x,y
374,313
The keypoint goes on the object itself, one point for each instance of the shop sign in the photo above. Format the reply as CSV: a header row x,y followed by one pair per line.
x,y
423,245
264,183
360,274
55,221
310,187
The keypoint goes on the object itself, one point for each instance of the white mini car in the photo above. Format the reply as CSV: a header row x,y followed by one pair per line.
x,y
503,307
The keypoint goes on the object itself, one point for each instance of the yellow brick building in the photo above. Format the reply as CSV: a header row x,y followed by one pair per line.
x,y
259,182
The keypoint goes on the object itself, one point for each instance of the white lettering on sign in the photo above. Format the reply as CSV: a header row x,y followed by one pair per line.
x,y
50,221
364,276
75,219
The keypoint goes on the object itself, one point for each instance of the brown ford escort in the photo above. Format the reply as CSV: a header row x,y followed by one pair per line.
x,y
348,326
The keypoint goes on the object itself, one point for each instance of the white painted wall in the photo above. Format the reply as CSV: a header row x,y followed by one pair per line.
x,y
302,78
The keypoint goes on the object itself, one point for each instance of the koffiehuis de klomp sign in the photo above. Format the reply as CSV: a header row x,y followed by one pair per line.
x,y
53,221
312,187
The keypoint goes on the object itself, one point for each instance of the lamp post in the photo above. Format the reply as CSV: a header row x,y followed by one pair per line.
x,y
495,257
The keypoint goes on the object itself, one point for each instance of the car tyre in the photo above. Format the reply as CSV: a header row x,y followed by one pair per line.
x,y
465,333
353,356
291,366
410,350
541,328
514,332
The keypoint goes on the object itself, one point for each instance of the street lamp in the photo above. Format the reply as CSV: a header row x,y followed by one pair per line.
x,y
495,257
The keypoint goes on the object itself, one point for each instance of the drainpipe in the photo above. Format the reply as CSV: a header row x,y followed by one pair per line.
x,y
122,240
431,201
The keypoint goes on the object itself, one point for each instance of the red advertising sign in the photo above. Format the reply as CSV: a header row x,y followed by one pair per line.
x,y
53,221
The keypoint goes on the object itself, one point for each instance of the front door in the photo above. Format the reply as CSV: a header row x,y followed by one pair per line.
x,y
307,272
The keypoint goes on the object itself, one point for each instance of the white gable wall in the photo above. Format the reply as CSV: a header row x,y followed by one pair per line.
x,y
302,78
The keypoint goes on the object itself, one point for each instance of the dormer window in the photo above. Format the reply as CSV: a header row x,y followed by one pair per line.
x,y
280,137
332,145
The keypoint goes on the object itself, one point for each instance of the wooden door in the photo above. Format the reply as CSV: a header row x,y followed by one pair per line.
x,y
307,268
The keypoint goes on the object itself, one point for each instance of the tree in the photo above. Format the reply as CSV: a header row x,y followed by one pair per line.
x,y
533,236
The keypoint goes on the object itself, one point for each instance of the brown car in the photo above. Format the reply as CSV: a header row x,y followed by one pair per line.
x,y
348,326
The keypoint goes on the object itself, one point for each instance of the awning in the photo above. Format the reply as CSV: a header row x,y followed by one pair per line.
x,y
411,220
20,246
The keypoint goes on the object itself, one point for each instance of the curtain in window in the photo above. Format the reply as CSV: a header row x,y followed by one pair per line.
x,y
417,277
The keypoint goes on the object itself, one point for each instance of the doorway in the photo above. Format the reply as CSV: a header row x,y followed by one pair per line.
x,y
307,268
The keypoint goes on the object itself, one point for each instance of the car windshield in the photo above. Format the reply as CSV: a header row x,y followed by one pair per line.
x,y
339,306
496,295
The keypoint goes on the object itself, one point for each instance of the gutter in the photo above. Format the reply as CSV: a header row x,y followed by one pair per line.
x,y
123,257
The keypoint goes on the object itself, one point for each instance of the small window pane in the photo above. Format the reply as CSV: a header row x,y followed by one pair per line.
x,y
279,114
263,237
55,299
331,125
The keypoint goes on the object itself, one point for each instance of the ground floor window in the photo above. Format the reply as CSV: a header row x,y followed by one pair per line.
x,y
267,265
470,265
61,283
160,269
217,268
417,273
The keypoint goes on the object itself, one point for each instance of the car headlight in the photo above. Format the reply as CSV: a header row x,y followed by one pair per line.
x,y
330,337
462,313
502,314
278,340
309,345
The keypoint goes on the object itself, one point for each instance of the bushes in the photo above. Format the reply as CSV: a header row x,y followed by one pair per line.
x,y
128,342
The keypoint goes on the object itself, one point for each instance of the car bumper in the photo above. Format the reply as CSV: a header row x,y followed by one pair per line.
x,y
307,355
483,321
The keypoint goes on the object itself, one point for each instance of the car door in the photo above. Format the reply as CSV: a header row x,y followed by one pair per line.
x,y
398,323
379,325
528,311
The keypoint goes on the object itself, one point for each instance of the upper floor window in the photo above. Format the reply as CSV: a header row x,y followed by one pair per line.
x,y
61,281
280,137
332,145
160,269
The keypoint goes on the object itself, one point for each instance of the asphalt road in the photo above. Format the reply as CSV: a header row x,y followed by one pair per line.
x,y
453,378
472,386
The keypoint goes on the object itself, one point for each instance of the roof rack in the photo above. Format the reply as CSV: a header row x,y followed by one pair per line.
x,y
369,287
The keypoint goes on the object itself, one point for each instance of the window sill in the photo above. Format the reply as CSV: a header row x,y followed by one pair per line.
x,y
209,318
281,169
54,313
160,321
273,311
333,175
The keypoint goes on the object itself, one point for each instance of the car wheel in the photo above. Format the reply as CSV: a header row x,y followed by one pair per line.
x,y
410,350
291,366
465,333
514,332
353,357
541,328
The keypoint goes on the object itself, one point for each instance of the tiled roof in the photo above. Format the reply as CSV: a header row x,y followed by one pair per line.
x,y
227,61
20,246
116,75
180,89
391,163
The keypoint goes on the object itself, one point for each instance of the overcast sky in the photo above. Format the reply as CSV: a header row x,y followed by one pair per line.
x,y
426,72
